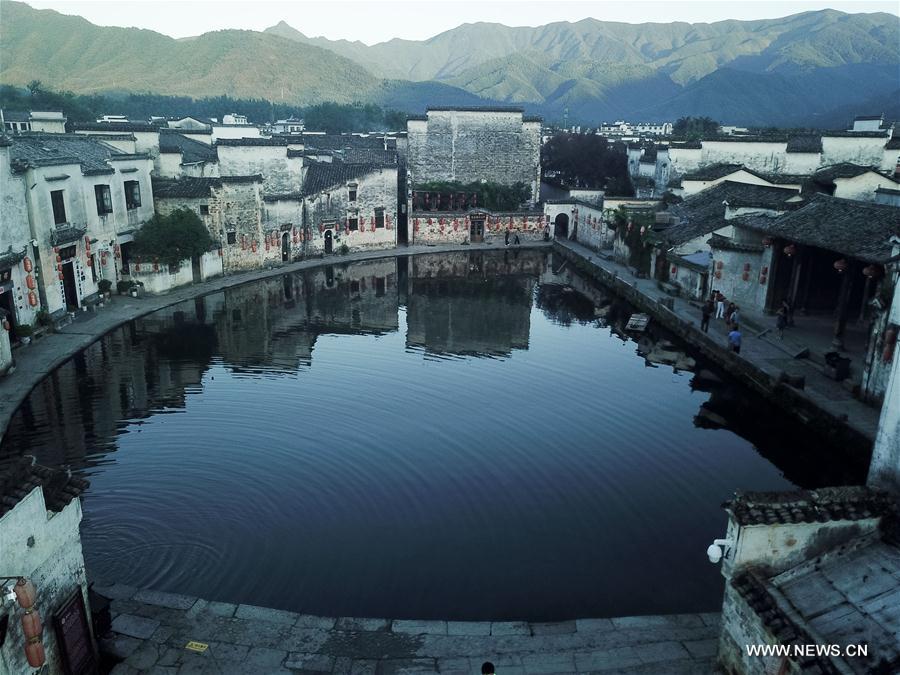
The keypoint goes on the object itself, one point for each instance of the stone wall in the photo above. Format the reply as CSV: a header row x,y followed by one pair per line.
x,y
448,227
742,276
475,145
45,547
281,174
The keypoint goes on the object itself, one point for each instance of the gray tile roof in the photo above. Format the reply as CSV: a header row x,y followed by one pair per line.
x,y
114,126
848,227
274,140
712,172
187,186
19,476
36,149
808,506
855,134
704,212
16,116
843,170
322,176
190,149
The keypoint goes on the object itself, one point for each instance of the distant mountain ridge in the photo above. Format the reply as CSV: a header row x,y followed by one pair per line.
x,y
794,70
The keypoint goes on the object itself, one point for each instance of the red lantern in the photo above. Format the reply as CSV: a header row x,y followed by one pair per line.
x,y
765,270
767,241
719,264
31,624
32,296
746,267
718,274
58,258
26,263
841,265
890,341
790,250
321,227
61,277
118,250
253,247
220,253
674,269
25,592
6,325
29,281
34,652
746,276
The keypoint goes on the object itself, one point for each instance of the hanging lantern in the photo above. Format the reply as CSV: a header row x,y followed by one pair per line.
x,y
674,270
34,652
719,264
220,252
31,624
841,265
6,325
26,263
790,250
745,276
58,258
29,281
32,296
118,250
767,241
25,592
61,277
253,247
643,230
873,271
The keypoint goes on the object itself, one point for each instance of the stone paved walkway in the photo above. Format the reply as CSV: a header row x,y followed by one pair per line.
x,y
766,352
151,631
46,353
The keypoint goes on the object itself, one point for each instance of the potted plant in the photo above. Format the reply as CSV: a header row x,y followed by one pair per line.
x,y
136,288
123,287
104,286
25,331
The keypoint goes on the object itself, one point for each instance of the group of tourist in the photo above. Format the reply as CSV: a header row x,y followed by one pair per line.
x,y
730,313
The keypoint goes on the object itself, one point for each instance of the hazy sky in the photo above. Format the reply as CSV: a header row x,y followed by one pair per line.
x,y
374,21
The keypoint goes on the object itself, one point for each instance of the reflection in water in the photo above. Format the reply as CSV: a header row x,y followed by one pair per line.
x,y
324,442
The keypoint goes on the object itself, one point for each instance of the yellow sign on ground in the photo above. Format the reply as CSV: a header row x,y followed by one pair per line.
x,y
197,646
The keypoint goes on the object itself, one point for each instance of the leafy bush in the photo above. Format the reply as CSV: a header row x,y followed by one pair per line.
x,y
104,285
24,330
43,318
124,287
344,249
173,238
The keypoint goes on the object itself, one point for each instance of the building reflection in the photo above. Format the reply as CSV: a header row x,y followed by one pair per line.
x,y
468,304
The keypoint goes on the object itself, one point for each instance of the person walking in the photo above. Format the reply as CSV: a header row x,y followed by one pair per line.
x,y
788,308
728,312
734,339
516,239
506,237
720,305
736,315
706,312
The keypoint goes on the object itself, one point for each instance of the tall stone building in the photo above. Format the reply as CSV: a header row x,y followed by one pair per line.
x,y
500,145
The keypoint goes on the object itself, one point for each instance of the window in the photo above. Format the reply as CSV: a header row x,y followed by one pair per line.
x,y
353,223
204,210
232,237
104,199
379,217
132,194
351,195
59,206
379,286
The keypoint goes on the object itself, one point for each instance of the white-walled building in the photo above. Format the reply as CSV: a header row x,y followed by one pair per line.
x,y
40,514
48,121
84,201
341,204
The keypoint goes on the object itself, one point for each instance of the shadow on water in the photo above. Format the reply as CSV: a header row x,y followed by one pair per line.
x,y
469,435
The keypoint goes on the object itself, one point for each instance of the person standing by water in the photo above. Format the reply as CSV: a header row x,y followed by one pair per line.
x,y
788,308
720,305
706,313
735,317
728,312
516,241
506,237
734,339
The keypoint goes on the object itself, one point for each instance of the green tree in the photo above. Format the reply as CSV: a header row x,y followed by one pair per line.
x,y
585,160
172,238
695,128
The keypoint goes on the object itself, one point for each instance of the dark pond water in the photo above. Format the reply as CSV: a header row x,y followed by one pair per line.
x,y
454,436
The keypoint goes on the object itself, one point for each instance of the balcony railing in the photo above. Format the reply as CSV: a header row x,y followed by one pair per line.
x,y
66,233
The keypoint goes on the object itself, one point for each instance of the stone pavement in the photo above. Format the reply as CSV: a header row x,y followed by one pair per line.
x,y
766,352
46,353
151,631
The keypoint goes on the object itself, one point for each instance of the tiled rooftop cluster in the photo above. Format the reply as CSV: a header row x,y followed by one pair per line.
x,y
809,506
19,476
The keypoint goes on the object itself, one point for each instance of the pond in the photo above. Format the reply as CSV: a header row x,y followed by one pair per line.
x,y
460,436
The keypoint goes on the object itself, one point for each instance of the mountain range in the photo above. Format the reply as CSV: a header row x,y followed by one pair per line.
x,y
808,69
